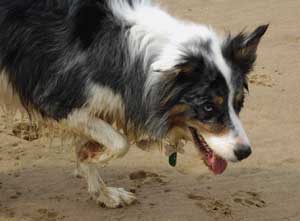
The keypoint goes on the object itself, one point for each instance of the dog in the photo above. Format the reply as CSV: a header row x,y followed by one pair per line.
x,y
124,72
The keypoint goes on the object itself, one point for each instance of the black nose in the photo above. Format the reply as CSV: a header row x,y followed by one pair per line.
x,y
242,152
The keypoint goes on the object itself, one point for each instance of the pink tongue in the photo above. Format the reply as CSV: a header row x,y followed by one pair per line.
x,y
216,163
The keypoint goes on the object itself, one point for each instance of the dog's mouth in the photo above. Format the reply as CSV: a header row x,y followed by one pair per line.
x,y
214,162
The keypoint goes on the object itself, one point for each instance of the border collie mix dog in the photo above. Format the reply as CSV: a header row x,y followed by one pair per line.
x,y
122,72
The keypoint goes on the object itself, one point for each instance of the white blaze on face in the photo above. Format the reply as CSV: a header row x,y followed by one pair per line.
x,y
238,130
240,133
227,144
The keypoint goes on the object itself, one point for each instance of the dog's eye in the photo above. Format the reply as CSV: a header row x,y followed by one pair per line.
x,y
208,107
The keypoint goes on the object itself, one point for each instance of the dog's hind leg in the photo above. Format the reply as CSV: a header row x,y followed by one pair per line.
x,y
107,144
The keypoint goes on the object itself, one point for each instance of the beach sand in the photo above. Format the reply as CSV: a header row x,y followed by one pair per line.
x,y
36,181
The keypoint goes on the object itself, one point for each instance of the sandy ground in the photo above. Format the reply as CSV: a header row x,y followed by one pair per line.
x,y
36,181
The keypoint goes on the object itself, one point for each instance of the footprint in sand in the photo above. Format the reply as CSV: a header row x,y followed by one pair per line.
x,y
212,206
26,131
51,215
143,177
248,199
6,211
16,195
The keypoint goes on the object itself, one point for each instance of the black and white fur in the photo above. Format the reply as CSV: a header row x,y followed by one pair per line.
x,y
90,63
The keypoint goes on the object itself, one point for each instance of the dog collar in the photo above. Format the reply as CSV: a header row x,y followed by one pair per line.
x,y
173,159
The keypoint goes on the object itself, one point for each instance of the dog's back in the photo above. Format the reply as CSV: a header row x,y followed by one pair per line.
x,y
40,55
53,52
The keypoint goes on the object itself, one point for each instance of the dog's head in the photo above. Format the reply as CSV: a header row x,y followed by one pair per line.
x,y
204,93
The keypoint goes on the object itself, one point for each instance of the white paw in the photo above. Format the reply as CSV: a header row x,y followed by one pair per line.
x,y
115,197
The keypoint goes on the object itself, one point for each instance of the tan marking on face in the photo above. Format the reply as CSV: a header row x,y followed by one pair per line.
x,y
218,100
178,109
177,117
214,129
178,121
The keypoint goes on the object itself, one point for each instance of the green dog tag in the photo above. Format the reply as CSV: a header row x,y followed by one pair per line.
x,y
173,159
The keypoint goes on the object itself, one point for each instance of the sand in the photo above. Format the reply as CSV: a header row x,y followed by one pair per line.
x,y
36,181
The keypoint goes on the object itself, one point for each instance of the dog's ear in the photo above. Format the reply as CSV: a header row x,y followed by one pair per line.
x,y
191,68
175,79
241,49
178,72
183,69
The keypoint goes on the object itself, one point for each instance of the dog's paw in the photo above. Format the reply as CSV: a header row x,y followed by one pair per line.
x,y
115,198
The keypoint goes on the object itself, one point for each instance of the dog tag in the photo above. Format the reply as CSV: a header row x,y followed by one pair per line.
x,y
173,159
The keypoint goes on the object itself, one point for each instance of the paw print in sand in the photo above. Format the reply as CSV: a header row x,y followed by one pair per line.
x,y
213,206
249,199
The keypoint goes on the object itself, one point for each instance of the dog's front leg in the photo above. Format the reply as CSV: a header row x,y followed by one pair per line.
x,y
110,197
106,144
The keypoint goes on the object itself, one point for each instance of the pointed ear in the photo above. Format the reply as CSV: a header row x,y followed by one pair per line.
x,y
241,50
251,41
